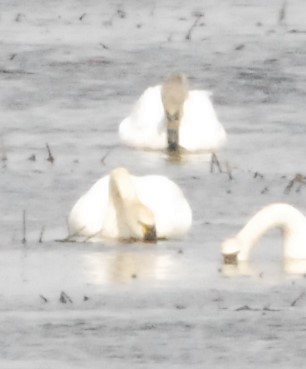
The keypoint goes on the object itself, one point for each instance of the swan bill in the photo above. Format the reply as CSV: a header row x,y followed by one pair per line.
x,y
149,232
230,259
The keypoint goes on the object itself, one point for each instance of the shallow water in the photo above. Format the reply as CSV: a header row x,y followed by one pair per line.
x,y
68,82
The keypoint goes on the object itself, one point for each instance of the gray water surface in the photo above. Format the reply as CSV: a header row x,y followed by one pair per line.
x,y
70,72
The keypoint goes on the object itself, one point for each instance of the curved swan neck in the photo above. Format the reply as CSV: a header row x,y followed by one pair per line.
x,y
122,189
133,218
291,221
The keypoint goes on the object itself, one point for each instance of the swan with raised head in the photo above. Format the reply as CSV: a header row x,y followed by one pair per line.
x,y
127,207
170,116
279,215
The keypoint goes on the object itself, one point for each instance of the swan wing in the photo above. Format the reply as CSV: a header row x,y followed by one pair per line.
x,y
88,215
172,212
200,128
145,126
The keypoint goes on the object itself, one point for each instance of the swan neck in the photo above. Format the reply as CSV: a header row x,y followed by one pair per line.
x,y
282,216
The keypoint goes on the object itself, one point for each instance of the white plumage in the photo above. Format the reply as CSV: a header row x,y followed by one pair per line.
x,y
200,129
97,213
284,216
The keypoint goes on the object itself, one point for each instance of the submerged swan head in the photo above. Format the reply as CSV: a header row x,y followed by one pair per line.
x,y
174,93
230,249
291,222
135,220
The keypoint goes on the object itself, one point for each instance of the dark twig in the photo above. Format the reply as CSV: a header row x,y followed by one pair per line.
x,y
15,71
106,155
32,157
66,239
104,46
264,190
40,240
3,156
194,24
282,14
82,16
246,308
24,228
64,298
289,186
214,162
298,178
92,236
18,17
70,237
119,12
50,156
257,174
267,308
45,300
294,302
229,171
240,47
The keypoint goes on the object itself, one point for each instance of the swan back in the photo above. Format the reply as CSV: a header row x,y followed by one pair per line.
x,y
145,126
173,215
89,213
200,127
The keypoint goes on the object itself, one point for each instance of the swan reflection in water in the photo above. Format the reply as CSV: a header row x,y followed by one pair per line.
x,y
124,267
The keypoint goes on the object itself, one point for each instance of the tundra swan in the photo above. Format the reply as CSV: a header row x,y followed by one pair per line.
x,y
170,116
123,206
284,216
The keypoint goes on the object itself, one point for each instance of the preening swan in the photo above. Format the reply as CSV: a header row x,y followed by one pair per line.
x,y
291,222
172,116
123,206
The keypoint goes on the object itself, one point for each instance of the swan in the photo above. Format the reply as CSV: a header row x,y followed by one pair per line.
x,y
170,116
127,207
284,216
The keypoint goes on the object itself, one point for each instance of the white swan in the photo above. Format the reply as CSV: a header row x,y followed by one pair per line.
x,y
123,206
168,115
290,220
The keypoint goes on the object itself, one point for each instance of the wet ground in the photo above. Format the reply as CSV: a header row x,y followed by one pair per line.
x,y
69,74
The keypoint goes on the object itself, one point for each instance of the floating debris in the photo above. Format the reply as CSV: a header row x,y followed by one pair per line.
x,y
64,298
50,156
44,299
300,296
198,16
298,178
40,240
24,228
82,17
215,162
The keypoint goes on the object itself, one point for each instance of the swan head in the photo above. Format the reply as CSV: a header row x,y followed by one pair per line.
x,y
141,222
230,249
174,92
